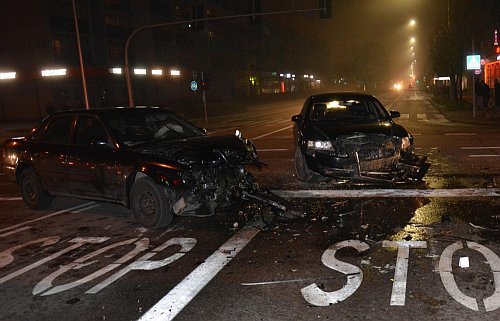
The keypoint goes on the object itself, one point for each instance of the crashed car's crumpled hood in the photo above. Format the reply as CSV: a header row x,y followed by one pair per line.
x,y
204,148
331,130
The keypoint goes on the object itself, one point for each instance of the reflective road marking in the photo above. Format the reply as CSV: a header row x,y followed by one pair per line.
x,y
459,192
460,134
273,132
401,273
11,198
272,150
172,303
78,209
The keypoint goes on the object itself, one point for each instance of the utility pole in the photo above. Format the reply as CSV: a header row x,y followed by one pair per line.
x,y
82,71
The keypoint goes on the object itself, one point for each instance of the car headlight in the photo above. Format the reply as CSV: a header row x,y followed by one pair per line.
x,y
405,143
320,145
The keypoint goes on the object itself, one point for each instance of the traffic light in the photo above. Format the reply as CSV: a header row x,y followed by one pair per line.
x,y
198,13
326,9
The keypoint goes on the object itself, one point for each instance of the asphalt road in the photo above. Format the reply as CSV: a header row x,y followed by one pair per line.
x,y
423,251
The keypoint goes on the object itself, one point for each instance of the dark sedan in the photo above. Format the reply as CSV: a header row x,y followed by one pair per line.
x,y
352,137
148,159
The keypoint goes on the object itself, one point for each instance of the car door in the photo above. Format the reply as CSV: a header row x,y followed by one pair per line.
x,y
49,151
95,171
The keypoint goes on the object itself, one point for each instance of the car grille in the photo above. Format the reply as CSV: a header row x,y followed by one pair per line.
x,y
382,164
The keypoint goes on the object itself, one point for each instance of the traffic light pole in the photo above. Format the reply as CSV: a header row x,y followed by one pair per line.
x,y
167,24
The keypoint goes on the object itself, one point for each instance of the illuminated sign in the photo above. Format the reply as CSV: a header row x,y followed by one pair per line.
x,y
473,62
157,72
175,72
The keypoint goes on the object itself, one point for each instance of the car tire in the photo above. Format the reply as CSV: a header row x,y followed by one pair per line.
x,y
150,205
32,191
303,172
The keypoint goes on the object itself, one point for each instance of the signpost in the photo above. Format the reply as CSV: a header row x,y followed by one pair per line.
x,y
474,63
194,86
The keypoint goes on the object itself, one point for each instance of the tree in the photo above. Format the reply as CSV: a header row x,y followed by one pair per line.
x,y
466,22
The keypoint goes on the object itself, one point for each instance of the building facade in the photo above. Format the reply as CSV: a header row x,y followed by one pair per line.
x,y
237,58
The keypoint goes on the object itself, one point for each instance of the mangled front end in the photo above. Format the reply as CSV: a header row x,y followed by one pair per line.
x,y
370,157
213,177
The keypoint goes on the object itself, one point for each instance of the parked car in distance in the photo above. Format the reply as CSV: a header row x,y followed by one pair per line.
x,y
351,137
148,159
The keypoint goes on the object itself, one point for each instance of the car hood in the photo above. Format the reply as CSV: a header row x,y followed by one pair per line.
x,y
331,130
201,149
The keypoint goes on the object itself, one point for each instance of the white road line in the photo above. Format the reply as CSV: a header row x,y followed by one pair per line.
x,y
273,132
483,156
460,134
74,209
421,117
11,198
272,150
405,116
480,147
15,231
459,192
180,296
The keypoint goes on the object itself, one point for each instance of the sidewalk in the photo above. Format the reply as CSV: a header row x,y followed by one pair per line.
x,y
464,114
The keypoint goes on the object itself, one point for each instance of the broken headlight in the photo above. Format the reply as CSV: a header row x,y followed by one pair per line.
x,y
405,143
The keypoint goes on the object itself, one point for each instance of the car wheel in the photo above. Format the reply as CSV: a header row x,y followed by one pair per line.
x,y
32,191
301,169
150,205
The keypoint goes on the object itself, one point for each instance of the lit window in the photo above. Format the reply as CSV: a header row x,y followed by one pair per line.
x,y
157,72
53,72
175,72
140,71
116,71
7,75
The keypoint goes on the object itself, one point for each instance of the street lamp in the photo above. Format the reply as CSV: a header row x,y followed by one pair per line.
x,y
412,22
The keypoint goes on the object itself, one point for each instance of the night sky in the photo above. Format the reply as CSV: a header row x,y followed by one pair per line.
x,y
372,35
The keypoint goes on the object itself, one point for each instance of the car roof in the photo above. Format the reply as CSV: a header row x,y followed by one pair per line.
x,y
112,110
341,95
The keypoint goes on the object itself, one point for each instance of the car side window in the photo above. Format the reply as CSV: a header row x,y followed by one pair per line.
x,y
90,130
58,131
305,108
381,111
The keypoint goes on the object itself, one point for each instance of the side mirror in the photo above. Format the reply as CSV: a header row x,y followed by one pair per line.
x,y
395,114
296,118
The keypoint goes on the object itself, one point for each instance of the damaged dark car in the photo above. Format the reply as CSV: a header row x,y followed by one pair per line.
x,y
148,159
351,137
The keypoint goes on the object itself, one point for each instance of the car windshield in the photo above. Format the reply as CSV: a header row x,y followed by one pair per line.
x,y
146,126
342,109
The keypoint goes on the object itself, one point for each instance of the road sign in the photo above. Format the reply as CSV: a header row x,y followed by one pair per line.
x,y
194,85
473,62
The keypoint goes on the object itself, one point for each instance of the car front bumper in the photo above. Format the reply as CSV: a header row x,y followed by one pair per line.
x,y
394,168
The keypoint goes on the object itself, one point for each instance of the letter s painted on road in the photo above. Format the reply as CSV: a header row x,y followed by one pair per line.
x,y
315,296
